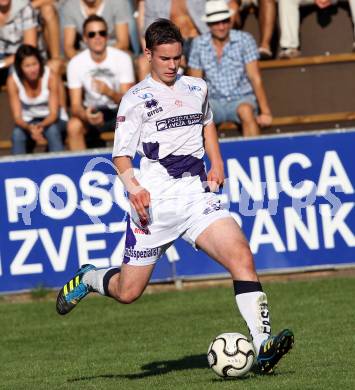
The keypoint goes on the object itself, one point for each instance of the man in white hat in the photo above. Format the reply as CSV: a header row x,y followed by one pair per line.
x,y
228,60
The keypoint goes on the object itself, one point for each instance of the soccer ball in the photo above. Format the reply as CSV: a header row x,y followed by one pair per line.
x,y
230,355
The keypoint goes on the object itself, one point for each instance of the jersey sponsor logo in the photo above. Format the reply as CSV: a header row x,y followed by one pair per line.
x,y
152,103
145,96
143,254
155,111
141,231
136,90
179,121
121,118
193,88
178,103
213,206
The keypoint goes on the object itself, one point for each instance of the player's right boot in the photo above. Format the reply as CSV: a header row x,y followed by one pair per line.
x,y
73,291
272,350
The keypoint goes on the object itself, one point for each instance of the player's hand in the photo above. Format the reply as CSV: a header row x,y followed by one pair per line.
x,y
95,118
140,200
215,177
264,120
322,3
100,86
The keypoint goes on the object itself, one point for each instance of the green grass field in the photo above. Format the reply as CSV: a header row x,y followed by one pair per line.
x,y
160,341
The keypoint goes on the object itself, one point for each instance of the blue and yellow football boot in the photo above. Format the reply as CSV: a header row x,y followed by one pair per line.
x,y
73,291
272,350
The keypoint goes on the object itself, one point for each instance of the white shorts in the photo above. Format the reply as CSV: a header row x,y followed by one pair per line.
x,y
185,217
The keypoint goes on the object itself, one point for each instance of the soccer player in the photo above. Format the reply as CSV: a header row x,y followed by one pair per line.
x,y
166,119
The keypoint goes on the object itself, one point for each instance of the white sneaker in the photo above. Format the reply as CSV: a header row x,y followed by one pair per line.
x,y
289,53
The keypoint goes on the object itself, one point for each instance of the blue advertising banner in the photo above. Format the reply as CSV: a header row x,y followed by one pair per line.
x,y
292,195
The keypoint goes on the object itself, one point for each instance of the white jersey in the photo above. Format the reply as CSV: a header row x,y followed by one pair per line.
x,y
114,70
165,126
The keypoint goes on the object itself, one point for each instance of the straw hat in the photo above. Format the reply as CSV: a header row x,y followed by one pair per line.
x,y
216,10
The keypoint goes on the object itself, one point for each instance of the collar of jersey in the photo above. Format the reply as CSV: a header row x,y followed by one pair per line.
x,y
162,86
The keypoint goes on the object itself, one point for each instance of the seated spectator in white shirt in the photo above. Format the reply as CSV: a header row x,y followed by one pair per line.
x,y
114,12
102,74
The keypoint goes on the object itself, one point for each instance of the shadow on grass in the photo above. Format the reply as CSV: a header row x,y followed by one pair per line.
x,y
156,368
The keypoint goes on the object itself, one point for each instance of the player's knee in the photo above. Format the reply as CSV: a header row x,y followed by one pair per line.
x,y
127,299
129,296
243,257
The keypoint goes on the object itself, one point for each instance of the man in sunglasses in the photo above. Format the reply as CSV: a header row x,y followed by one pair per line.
x,y
102,74
229,61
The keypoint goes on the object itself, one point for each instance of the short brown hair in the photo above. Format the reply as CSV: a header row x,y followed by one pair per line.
x,y
162,31
94,18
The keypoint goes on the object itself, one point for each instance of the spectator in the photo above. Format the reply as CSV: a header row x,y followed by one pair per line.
x,y
289,19
228,59
33,94
18,24
103,74
266,18
186,14
51,30
115,13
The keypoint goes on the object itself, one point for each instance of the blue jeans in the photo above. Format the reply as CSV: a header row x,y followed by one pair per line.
x,y
23,143
226,110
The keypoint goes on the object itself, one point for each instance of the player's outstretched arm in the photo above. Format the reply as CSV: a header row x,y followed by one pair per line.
x,y
138,196
215,175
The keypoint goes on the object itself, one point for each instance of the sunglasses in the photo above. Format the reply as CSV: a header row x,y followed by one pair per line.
x,y
92,34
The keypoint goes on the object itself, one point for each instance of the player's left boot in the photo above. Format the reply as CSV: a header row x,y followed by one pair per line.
x,y
73,291
272,350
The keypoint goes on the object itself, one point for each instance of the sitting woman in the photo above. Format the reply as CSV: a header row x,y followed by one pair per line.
x,y
34,99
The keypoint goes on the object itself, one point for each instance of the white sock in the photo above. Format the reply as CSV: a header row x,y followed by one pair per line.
x,y
254,309
98,279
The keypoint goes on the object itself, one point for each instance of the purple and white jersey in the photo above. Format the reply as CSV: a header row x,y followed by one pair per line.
x,y
165,126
